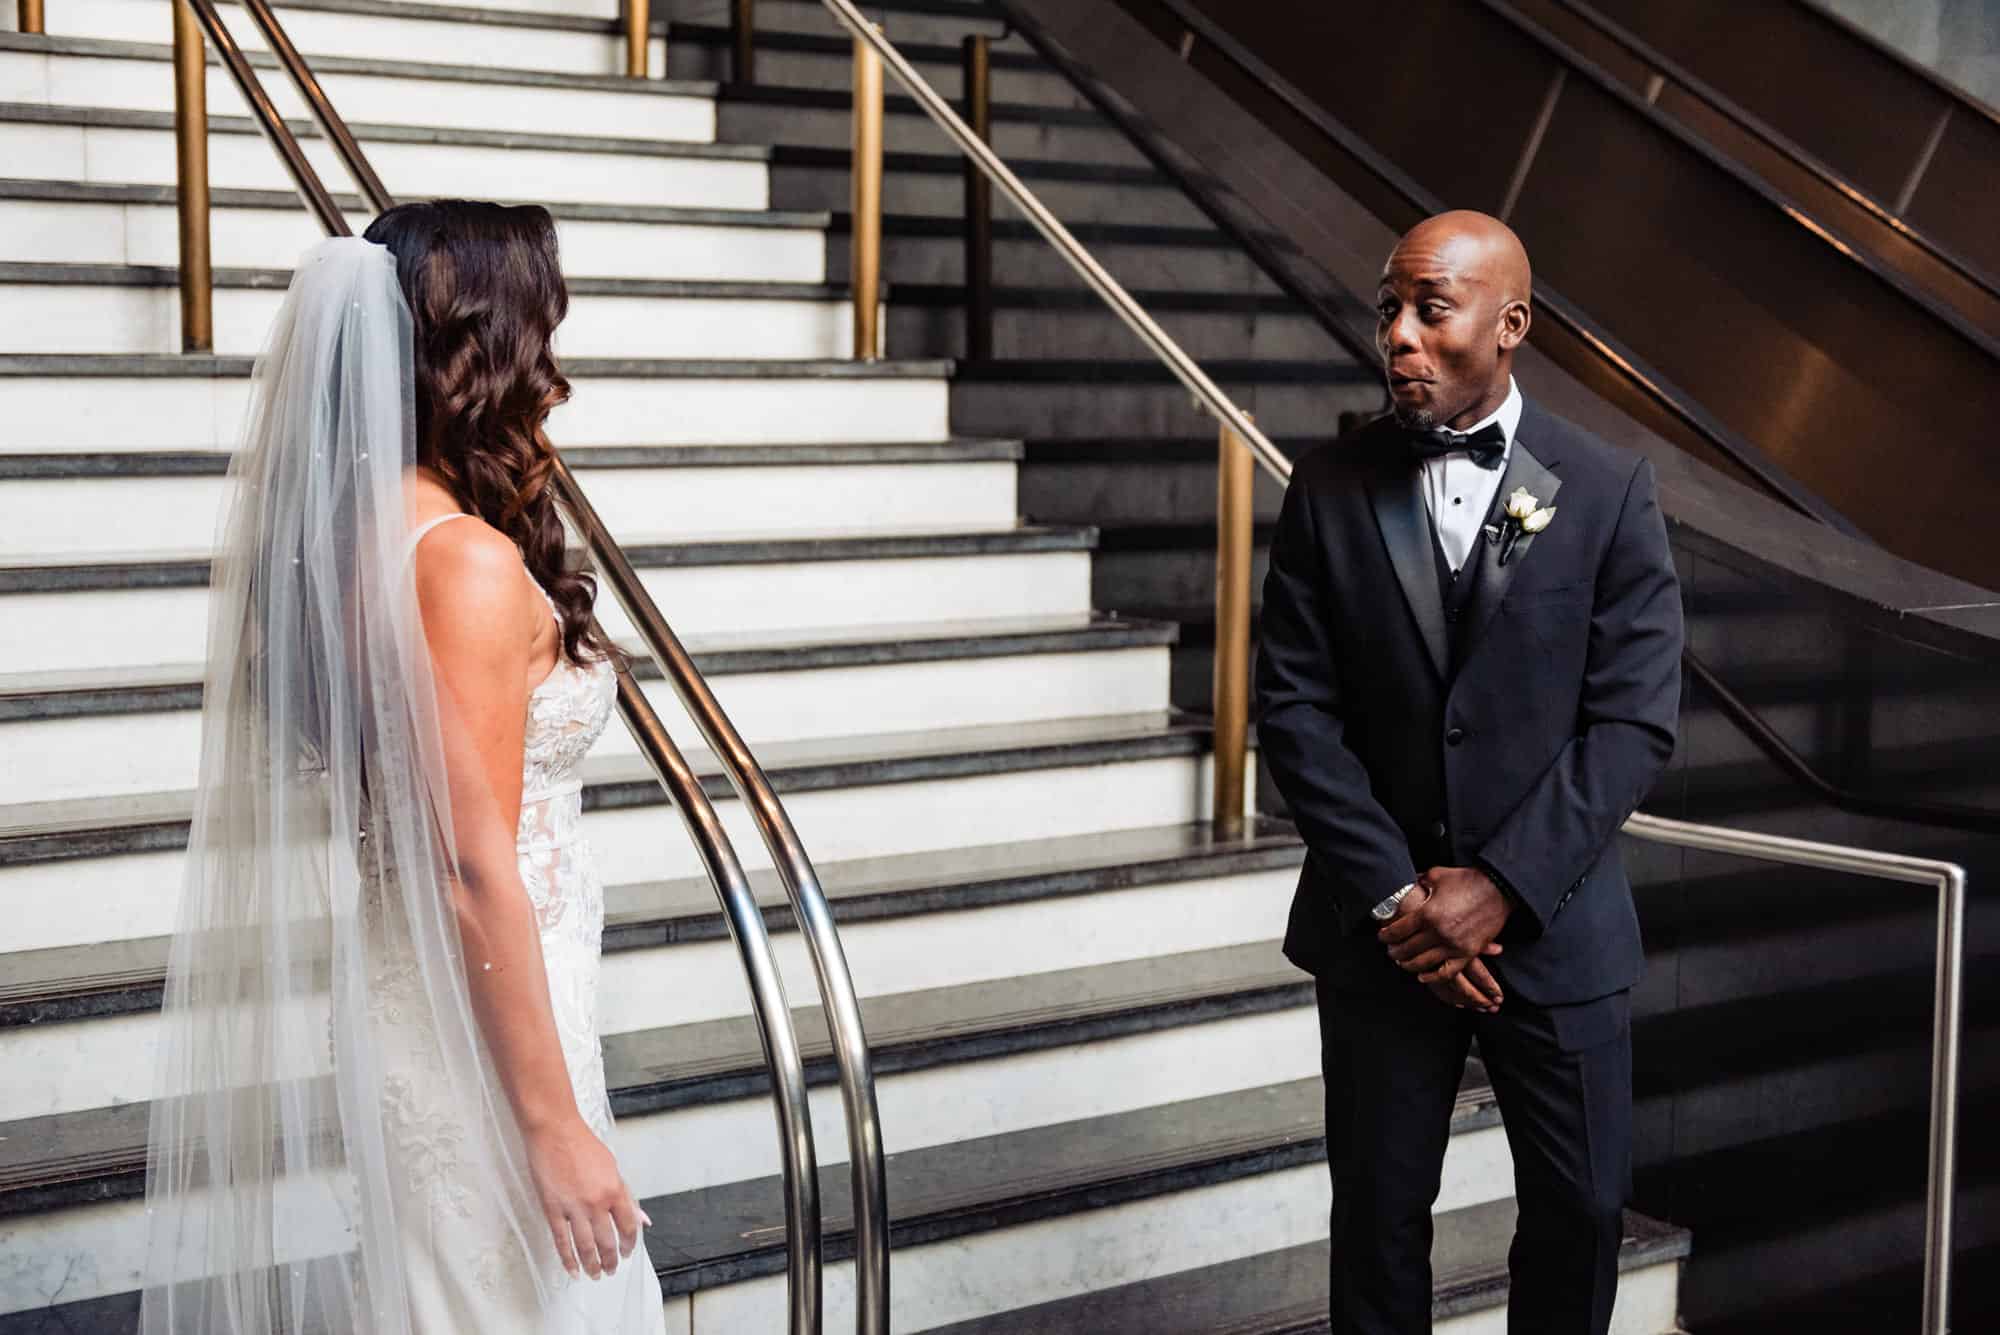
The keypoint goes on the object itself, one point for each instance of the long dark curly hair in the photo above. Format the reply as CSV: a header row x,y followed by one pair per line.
x,y
486,292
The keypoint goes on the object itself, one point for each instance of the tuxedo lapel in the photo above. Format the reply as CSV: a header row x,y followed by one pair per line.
x,y
1398,500
1523,470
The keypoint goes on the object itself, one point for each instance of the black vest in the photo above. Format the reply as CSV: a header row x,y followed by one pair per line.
x,y
1457,590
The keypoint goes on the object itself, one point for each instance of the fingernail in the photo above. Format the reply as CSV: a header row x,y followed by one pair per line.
x,y
648,1218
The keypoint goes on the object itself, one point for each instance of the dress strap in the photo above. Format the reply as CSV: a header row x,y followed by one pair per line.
x,y
417,533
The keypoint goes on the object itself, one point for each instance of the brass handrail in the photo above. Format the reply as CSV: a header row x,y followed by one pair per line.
x,y
725,870
1231,746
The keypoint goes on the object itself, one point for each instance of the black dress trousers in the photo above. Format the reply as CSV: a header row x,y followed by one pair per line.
x,y
1562,1075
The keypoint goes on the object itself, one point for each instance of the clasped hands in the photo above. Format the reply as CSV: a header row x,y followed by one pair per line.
x,y
1444,929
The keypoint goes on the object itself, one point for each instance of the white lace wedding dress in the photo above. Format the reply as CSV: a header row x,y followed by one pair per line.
x,y
464,1273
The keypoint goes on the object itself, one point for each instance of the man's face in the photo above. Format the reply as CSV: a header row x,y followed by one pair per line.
x,y
1437,330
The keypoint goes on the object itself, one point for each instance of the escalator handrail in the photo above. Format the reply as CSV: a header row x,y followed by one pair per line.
x,y
1955,97
1820,233
1790,149
1656,387
783,1058
1938,815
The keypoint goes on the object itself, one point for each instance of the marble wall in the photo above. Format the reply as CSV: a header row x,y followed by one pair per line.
x,y
1960,39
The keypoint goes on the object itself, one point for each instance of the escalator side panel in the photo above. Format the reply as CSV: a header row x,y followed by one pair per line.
x,y
1811,80
1958,200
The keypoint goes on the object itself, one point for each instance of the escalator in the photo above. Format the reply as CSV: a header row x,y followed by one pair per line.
x,y
1925,150
1954,268
1788,354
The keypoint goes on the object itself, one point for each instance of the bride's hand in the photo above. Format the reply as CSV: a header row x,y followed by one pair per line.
x,y
589,1208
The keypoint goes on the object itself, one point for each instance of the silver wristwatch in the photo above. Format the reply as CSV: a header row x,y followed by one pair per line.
x,y
1387,908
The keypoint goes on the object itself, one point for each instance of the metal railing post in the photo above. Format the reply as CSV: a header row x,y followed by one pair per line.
x,y
29,13
977,56
1947,1017
1236,480
191,181
312,190
638,38
866,268
743,41
1185,369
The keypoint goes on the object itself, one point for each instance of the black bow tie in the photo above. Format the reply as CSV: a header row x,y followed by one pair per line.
x,y
1486,446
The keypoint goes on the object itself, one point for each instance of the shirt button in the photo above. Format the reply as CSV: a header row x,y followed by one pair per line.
x,y
1454,737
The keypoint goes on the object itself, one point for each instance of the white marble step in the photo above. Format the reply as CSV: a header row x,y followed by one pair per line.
x,y
105,148
94,408
753,587
969,1275
563,45
138,76
268,230
105,1061
126,319
117,888
1002,1268
110,754
130,514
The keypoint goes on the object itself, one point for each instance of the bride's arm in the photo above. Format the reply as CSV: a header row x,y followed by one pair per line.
x,y
480,616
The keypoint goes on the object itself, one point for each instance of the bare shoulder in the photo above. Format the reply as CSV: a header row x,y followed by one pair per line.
x,y
470,584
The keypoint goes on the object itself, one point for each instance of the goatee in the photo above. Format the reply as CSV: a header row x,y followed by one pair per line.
x,y
1414,419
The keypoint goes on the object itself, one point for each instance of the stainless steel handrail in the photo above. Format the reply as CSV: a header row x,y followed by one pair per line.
x,y
867,1170
1947,1018
1184,367
725,870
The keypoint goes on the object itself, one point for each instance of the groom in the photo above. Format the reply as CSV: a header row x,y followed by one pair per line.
x,y
1469,677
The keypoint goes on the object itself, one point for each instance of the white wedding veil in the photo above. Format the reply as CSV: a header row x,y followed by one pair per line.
x,y
317,889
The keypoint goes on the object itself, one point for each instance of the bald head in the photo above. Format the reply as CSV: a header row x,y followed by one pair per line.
x,y
1452,306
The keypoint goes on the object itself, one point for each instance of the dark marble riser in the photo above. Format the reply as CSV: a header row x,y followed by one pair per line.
x,y
1151,484
1083,407
927,22
939,192
932,250
1022,329
1861,1188
767,116
698,51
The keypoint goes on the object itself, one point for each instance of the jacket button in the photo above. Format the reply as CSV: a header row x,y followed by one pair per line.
x,y
1437,829
1454,737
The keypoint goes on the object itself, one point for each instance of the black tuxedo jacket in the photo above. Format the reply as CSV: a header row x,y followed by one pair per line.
x,y
1525,758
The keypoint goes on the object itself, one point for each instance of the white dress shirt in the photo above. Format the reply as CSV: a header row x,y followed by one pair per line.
x,y
1459,492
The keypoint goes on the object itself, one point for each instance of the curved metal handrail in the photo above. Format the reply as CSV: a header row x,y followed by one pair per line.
x,y
725,870
1947,1017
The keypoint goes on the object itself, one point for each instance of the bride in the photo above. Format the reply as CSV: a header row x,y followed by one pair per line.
x,y
381,1104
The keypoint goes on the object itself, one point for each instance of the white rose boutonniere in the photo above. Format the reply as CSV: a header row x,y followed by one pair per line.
x,y
1525,515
